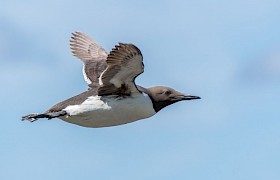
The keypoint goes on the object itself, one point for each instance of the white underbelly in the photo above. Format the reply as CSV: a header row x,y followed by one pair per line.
x,y
104,112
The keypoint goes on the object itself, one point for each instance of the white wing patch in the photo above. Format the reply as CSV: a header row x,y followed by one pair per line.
x,y
85,75
100,77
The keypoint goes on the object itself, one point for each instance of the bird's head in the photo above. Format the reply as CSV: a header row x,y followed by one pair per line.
x,y
163,96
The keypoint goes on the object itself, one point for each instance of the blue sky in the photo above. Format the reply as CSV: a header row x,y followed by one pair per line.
x,y
227,52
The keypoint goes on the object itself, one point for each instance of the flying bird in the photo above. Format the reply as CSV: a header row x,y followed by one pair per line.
x,y
112,98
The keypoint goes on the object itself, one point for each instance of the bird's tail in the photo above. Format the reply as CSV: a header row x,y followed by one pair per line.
x,y
49,115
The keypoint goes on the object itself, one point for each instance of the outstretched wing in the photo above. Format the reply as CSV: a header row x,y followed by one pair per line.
x,y
92,55
125,63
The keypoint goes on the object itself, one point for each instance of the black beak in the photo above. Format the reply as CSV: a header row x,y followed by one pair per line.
x,y
186,97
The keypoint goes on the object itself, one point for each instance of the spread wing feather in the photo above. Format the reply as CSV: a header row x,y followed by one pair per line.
x,y
125,63
92,55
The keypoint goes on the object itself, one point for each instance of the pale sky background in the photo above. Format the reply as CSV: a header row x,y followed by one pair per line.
x,y
227,52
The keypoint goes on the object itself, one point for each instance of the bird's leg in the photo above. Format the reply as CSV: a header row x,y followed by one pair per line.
x,y
49,115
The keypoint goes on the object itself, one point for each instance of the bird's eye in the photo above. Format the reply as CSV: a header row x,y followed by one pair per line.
x,y
167,92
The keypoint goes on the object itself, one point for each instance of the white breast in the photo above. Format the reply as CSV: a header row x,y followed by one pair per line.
x,y
99,111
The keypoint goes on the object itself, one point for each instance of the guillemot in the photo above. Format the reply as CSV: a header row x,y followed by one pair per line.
x,y
112,98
